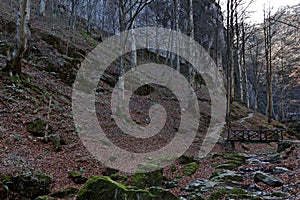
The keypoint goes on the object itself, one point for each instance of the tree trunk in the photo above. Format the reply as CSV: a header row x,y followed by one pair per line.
x,y
229,64
14,61
133,53
268,56
191,34
89,16
72,20
42,8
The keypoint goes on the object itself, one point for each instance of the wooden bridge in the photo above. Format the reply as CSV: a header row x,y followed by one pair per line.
x,y
257,136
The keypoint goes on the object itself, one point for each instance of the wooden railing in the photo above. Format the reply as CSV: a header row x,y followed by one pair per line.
x,y
261,135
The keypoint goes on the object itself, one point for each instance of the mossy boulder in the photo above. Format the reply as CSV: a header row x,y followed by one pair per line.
x,y
31,184
117,177
68,192
45,198
77,178
237,158
102,187
162,194
38,127
186,159
217,195
155,178
226,175
190,168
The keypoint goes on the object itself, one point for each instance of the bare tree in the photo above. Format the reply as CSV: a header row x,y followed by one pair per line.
x,y
14,61
268,57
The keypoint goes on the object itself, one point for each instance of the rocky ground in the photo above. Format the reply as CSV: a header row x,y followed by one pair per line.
x,y
256,169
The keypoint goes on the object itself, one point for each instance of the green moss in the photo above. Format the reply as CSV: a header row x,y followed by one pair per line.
x,y
178,176
186,159
37,127
44,198
139,180
68,192
173,168
238,191
155,178
76,177
162,194
217,195
226,175
226,165
117,177
102,187
237,159
5,178
190,168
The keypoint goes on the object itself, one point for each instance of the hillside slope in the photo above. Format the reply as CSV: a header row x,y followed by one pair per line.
x,y
44,92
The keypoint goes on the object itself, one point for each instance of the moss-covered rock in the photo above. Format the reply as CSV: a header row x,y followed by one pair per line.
x,y
237,158
45,198
68,192
186,159
31,184
226,165
226,175
38,127
155,178
217,195
139,180
117,177
190,168
77,178
102,187
162,194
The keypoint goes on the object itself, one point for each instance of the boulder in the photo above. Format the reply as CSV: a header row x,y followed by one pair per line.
x,y
77,178
155,178
102,187
38,127
268,179
226,175
68,192
31,184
